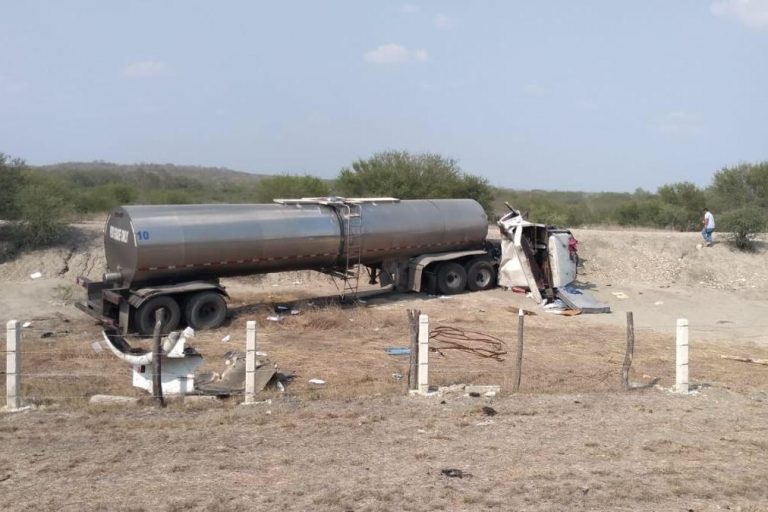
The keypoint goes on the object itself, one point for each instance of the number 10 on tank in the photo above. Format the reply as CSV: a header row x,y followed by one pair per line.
x,y
142,235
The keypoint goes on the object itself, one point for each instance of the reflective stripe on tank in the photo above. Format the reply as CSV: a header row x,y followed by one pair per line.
x,y
254,260
297,257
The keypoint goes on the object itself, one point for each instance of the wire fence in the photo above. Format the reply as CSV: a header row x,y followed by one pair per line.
x,y
62,366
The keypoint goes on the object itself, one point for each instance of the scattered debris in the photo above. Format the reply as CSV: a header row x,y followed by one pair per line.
x,y
555,305
281,308
226,338
319,382
96,347
746,359
273,318
620,295
232,379
658,303
398,351
397,376
26,324
576,299
35,275
51,334
489,411
454,473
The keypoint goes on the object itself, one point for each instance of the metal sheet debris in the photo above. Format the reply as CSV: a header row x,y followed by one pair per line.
x,y
578,300
398,351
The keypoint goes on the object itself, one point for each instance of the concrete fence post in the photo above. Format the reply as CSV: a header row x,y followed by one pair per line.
x,y
681,360
13,366
250,361
423,354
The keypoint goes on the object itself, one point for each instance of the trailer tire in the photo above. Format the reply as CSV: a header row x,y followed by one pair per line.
x,y
451,278
480,275
145,316
205,310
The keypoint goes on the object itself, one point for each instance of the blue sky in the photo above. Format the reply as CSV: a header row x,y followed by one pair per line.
x,y
569,95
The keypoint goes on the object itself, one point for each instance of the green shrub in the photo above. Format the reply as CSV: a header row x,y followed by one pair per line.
x,y
412,176
11,182
743,224
44,213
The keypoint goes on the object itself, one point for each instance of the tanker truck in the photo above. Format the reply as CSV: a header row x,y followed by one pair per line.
x,y
172,257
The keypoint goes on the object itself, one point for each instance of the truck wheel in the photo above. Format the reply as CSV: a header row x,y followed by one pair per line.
x,y
451,278
145,316
480,275
206,310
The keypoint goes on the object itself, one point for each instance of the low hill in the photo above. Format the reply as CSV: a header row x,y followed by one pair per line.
x,y
172,170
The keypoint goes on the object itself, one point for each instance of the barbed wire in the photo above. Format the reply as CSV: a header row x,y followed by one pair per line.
x,y
453,338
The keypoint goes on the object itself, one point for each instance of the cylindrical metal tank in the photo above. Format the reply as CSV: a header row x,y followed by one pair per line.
x,y
177,243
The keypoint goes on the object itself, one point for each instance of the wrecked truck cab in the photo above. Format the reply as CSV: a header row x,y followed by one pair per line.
x,y
536,256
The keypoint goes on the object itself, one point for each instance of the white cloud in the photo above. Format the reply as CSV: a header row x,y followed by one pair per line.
x,y
393,53
409,8
680,124
145,68
752,13
444,22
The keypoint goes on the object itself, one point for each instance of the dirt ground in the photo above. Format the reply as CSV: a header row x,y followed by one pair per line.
x,y
572,439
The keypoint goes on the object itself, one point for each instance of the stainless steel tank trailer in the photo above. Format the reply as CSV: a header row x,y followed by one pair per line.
x,y
171,257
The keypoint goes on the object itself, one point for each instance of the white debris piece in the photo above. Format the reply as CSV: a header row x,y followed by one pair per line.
x,y
35,275
226,338
273,318
295,311
319,382
96,346
620,295
26,324
188,332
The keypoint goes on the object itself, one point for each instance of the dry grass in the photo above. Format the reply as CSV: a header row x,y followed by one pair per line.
x,y
344,346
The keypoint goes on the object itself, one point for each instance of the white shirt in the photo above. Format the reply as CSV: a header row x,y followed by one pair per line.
x,y
709,220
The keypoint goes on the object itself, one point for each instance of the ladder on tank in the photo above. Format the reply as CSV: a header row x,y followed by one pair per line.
x,y
352,248
350,212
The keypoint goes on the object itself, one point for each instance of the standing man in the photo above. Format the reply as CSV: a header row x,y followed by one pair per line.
x,y
709,226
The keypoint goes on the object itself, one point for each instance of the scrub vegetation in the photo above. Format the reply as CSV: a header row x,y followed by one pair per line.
x,y
38,202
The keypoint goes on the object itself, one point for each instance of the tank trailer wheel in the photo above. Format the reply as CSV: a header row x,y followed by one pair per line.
x,y
451,278
480,275
145,316
206,310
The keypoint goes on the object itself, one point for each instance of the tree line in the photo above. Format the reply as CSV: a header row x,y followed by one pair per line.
x,y
39,201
